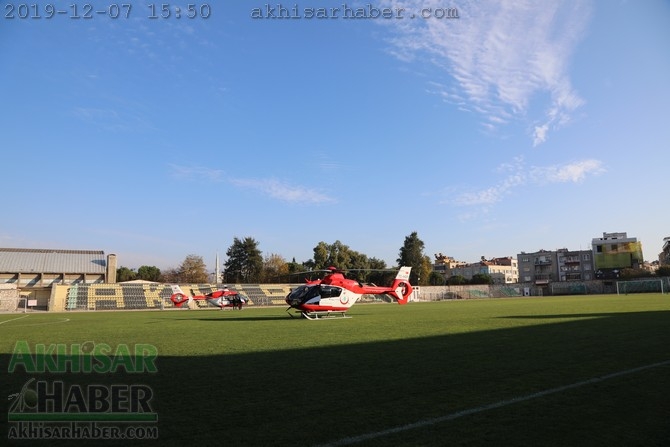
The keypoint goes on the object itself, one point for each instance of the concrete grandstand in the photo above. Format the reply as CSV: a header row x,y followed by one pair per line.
x,y
63,280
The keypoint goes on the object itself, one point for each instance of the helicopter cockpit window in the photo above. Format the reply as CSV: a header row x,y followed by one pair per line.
x,y
330,291
303,292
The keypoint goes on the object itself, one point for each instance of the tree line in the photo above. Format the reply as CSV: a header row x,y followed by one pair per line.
x,y
245,264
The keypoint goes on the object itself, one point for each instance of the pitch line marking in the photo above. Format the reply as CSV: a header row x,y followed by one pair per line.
x,y
503,403
43,323
14,319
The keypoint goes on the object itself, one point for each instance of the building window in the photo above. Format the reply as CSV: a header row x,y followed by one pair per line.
x,y
599,248
586,257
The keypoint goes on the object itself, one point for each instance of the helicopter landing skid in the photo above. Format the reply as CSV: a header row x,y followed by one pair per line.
x,y
321,315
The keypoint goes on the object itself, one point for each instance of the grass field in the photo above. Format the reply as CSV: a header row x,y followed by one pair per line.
x,y
585,370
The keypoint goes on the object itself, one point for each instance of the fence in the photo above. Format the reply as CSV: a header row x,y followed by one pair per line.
x,y
595,287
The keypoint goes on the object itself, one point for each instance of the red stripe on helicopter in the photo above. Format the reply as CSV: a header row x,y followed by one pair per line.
x,y
314,307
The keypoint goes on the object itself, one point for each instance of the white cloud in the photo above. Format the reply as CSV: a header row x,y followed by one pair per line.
x,y
285,192
572,172
502,55
270,187
520,175
540,134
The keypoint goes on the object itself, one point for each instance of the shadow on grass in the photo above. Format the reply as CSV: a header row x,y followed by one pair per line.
x,y
321,394
558,316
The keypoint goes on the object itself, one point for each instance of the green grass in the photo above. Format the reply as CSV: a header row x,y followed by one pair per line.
x,y
258,377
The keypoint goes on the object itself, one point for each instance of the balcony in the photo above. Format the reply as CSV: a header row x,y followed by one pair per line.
x,y
543,277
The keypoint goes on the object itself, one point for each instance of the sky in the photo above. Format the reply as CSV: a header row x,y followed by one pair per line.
x,y
490,128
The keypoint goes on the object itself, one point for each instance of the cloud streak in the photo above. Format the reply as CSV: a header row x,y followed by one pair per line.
x,y
283,191
503,57
269,187
196,173
519,175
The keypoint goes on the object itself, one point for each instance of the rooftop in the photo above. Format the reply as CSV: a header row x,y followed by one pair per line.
x,y
36,260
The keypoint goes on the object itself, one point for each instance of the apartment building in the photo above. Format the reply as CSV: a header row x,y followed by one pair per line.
x,y
614,252
502,270
664,256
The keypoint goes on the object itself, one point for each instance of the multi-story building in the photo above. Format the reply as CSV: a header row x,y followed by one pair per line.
x,y
614,252
501,270
544,266
539,267
664,256
444,263
575,265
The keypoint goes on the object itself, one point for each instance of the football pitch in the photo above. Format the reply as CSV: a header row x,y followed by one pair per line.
x,y
552,371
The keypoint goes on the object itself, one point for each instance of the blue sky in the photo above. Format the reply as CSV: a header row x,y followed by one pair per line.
x,y
516,127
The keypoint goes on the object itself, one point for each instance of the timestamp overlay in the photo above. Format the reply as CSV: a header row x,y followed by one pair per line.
x,y
110,10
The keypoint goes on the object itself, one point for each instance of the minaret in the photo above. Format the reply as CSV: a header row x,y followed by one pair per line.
x,y
217,279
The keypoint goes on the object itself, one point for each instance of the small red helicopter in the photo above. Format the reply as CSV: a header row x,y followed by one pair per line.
x,y
333,295
219,298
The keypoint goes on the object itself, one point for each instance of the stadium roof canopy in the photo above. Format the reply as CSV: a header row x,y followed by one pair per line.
x,y
35,260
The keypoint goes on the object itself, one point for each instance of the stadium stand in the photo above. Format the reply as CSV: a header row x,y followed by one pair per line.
x,y
36,271
152,295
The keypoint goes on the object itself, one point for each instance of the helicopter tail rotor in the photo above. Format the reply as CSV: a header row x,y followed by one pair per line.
x,y
178,297
402,289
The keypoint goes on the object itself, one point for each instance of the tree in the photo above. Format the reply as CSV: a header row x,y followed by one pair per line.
x,y
149,273
377,275
457,280
294,267
632,273
481,278
426,269
193,270
245,261
377,264
436,279
336,254
339,255
663,270
170,275
411,254
274,267
124,274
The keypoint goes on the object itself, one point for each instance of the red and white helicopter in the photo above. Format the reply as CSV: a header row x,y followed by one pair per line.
x,y
334,294
219,298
